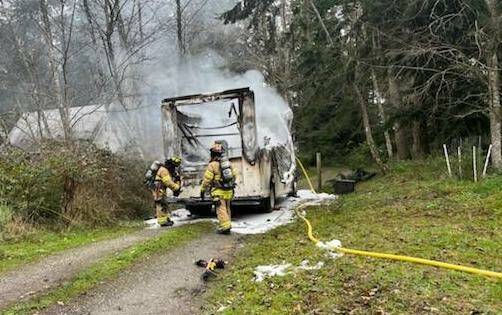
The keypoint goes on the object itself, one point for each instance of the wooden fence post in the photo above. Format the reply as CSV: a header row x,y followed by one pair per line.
x,y
319,171
474,164
487,161
447,159
459,152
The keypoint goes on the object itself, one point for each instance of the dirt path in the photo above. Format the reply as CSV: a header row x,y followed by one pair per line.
x,y
166,284
48,273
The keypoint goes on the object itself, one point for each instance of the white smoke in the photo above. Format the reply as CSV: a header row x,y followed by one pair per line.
x,y
164,74
169,75
206,73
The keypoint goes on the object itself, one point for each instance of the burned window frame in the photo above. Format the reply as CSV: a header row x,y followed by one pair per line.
x,y
246,120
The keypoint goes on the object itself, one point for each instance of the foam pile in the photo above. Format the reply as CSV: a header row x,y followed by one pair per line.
x,y
267,271
257,223
331,247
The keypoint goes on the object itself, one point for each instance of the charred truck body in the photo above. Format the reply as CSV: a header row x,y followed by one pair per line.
x,y
191,124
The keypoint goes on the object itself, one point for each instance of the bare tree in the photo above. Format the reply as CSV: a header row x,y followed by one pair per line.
x,y
362,100
379,101
121,33
402,148
321,22
493,74
179,28
27,81
58,57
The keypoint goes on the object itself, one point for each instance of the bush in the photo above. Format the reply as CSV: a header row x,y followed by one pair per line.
x,y
72,185
5,215
359,157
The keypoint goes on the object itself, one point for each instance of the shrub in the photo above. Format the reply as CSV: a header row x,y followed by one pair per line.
x,y
359,157
71,184
5,215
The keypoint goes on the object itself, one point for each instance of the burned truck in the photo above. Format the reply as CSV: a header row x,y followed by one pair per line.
x,y
191,124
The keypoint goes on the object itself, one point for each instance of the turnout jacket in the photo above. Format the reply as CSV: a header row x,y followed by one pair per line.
x,y
163,176
212,180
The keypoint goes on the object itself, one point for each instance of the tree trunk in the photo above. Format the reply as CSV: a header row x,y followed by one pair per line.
x,y
140,21
367,131
495,121
381,112
419,147
323,25
54,68
306,17
179,28
494,89
111,58
402,149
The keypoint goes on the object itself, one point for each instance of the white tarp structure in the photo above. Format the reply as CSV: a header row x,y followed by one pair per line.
x,y
117,130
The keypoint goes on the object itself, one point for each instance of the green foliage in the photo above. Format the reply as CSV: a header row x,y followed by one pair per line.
x,y
439,89
71,184
359,157
415,210
246,9
5,215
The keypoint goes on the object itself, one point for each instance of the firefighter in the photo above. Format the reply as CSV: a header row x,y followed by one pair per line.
x,y
166,177
220,178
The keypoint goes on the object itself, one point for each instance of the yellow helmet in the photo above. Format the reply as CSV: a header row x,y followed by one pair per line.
x,y
174,160
217,148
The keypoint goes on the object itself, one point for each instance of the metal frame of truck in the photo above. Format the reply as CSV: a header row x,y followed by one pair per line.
x,y
259,182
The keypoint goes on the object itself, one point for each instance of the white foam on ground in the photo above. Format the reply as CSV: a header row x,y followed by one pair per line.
x,y
266,271
310,195
257,223
262,222
262,272
152,224
305,265
179,217
331,247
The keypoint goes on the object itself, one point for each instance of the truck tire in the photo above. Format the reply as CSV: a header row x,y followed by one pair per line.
x,y
269,203
294,189
200,211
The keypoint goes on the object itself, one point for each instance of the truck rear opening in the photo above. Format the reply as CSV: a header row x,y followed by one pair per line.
x,y
191,124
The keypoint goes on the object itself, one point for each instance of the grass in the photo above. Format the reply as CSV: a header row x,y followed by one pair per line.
x,y
43,243
417,211
109,268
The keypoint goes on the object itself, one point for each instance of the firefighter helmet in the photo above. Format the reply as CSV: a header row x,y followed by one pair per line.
x,y
217,148
174,160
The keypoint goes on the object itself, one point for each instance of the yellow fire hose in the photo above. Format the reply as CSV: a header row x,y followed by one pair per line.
x,y
306,175
391,256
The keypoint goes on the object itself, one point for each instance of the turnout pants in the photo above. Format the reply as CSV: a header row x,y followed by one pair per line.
x,y
161,209
224,215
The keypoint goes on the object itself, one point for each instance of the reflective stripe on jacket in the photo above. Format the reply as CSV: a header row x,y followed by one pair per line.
x,y
165,178
212,179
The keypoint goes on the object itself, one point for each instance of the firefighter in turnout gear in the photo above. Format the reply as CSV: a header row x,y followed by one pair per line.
x,y
166,176
219,179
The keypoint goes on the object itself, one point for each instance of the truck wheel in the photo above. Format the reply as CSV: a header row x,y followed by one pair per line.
x,y
200,211
269,203
294,189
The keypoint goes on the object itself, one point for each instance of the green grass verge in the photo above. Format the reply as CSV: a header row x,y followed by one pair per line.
x,y
43,243
109,268
414,211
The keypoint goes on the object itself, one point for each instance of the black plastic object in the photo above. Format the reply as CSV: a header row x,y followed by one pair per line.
x,y
211,266
344,186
